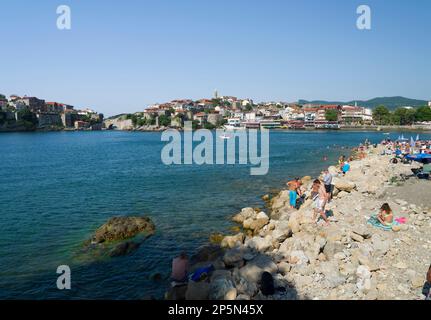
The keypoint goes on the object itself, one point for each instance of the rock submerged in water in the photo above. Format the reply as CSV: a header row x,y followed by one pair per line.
x,y
124,248
109,238
122,228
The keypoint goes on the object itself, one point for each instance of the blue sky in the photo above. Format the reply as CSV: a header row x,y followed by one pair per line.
x,y
121,56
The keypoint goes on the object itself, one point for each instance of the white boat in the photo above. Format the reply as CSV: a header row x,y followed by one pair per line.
x,y
233,124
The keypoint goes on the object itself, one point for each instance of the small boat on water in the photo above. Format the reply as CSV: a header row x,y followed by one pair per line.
x,y
224,136
386,133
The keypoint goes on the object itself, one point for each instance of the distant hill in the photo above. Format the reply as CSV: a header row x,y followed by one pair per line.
x,y
390,102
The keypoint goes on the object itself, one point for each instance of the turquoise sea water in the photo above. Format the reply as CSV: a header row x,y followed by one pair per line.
x,y
57,188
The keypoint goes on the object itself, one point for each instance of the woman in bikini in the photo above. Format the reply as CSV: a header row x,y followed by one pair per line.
x,y
385,216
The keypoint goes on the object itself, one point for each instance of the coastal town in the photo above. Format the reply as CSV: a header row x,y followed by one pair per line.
x,y
228,112
31,113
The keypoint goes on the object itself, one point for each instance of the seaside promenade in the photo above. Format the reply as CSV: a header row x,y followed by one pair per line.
x,y
346,259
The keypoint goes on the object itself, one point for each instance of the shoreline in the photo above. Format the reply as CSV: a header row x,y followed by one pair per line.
x,y
349,259
351,129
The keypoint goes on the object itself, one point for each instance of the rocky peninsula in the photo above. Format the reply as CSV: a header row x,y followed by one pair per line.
x,y
347,259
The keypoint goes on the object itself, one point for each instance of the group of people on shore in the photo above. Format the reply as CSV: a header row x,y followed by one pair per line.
x,y
401,148
321,190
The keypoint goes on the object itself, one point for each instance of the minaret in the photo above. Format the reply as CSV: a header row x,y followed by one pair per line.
x,y
215,94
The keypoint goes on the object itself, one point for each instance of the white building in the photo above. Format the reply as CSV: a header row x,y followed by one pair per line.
x,y
250,117
429,104
238,115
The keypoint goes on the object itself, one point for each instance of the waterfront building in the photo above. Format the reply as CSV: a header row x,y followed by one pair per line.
x,y
54,107
3,103
321,112
33,104
200,117
81,125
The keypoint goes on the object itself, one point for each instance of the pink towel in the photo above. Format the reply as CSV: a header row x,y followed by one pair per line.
x,y
401,220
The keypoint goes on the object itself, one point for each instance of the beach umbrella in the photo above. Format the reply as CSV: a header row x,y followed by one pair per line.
x,y
417,137
412,142
420,157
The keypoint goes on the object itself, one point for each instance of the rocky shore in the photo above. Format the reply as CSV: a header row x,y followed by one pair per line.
x,y
347,259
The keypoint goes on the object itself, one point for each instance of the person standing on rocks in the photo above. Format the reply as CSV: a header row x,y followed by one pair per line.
x,y
327,180
180,268
319,197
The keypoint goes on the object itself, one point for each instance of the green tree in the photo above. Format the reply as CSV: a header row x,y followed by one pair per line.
x,y
381,115
216,102
248,107
164,121
195,124
403,116
423,114
331,115
209,126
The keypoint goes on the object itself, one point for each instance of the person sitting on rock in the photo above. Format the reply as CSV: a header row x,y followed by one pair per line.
x,y
346,167
319,197
180,268
426,291
385,216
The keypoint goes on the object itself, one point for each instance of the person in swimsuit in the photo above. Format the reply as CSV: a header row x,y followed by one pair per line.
x,y
180,268
386,216
319,197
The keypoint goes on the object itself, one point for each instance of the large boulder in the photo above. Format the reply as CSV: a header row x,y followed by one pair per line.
x,y
234,258
280,200
281,232
332,274
233,241
245,214
121,228
253,270
363,275
344,185
222,289
259,222
245,287
259,243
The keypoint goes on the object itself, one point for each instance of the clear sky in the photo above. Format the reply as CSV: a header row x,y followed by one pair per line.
x,y
121,56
